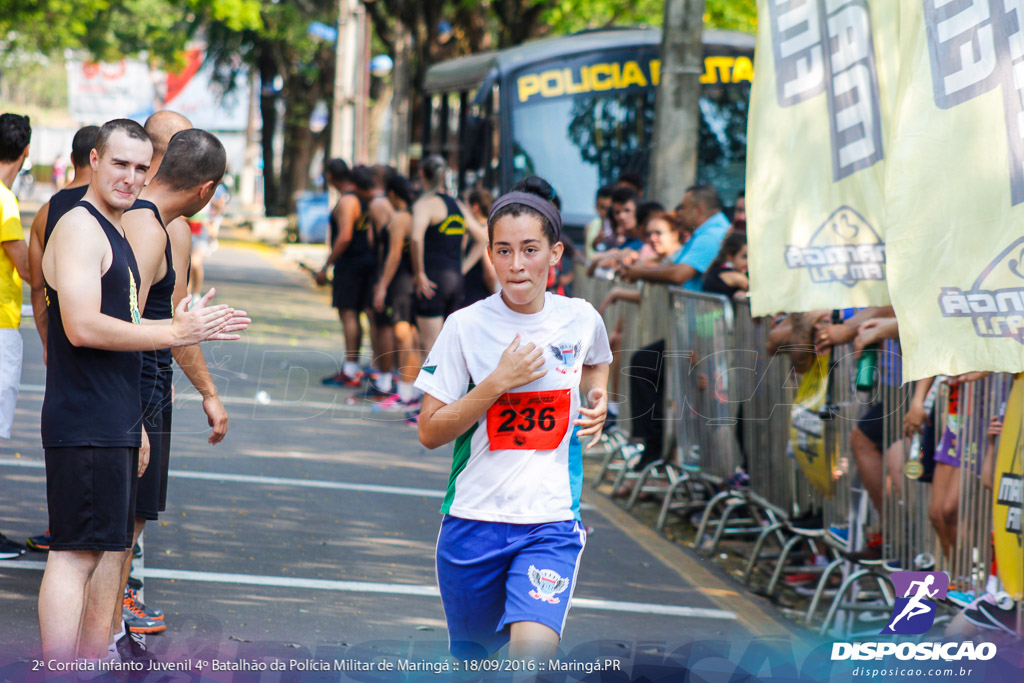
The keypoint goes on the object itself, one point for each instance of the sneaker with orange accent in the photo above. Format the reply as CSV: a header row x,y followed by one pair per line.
x,y
151,612
136,618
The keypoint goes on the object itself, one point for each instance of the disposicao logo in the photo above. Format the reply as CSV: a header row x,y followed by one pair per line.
x,y
914,613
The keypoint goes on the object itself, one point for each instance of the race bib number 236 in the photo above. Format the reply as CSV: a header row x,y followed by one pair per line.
x,y
534,420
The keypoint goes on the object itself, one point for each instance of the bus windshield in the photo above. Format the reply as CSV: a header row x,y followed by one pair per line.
x,y
582,141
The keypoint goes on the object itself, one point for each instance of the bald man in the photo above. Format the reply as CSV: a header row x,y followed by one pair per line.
x,y
161,127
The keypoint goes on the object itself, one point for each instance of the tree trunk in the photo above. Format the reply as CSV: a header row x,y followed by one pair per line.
x,y
268,114
673,165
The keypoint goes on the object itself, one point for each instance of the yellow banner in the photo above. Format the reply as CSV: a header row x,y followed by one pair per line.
x,y
816,154
955,188
1006,495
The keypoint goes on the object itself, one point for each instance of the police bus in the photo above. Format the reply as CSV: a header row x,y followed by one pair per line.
x,y
579,110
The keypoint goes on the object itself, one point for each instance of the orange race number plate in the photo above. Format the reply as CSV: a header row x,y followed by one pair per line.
x,y
534,420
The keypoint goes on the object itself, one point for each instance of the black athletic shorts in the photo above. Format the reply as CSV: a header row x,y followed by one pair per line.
x,y
398,304
353,285
90,493
156,416
447,296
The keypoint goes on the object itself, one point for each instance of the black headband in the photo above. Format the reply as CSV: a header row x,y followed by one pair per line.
x,y
542,206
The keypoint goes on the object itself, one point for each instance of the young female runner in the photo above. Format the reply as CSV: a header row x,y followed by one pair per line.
x,y
504,381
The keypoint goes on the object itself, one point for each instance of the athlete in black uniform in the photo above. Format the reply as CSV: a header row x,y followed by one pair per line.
x,y
91,410
192,167
438,225
394,292
354,268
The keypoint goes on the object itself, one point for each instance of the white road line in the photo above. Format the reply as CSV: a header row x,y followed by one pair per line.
x,y
337,404
390,589
275,481
267,481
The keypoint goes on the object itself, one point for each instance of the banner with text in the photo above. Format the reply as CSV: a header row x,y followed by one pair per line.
x,y
955,187
819,114
99,92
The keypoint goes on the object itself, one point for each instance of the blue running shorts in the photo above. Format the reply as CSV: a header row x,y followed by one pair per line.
x,y
493,574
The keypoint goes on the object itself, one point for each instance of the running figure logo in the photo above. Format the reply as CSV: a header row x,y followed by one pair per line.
x,y
548,584
914,613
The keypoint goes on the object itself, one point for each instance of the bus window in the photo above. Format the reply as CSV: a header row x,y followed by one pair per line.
x,y
583,121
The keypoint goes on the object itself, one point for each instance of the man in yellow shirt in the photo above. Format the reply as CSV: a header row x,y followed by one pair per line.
x,y
15,133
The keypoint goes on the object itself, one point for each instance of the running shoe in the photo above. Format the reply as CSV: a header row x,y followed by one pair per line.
x,y
151,612
134,582
137,550
132,648
343,380
394,402
412,418
372,392
40,543
136,620
960,598
840,533
801,578
1003,619
9,549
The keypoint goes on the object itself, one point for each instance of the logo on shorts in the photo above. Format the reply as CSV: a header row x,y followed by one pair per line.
x,y
914,613
567,354
844,249
995,302
548,584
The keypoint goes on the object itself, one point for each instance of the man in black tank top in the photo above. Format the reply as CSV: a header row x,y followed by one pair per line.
x,y
91,416
47,217
193,164
439,223
354,261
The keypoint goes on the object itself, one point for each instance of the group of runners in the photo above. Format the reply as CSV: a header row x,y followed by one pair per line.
x,y
108,262
402,260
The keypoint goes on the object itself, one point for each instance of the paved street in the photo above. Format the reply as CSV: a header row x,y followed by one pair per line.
x,y
310,531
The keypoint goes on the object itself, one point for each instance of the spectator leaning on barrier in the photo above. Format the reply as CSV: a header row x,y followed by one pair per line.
x,y
701,211
728,273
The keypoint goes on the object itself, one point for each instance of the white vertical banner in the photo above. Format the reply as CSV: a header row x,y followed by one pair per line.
x,y
817,132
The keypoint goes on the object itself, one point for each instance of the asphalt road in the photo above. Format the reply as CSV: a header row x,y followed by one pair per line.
x,y
309,533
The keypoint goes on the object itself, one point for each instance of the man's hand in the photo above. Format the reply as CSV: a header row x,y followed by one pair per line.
x,y
425,286
203,323
627,272
217,418
593,418
321,276
380,296
827,335
144,452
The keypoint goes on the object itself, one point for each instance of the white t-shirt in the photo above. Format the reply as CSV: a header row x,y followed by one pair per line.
x,y
519,463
